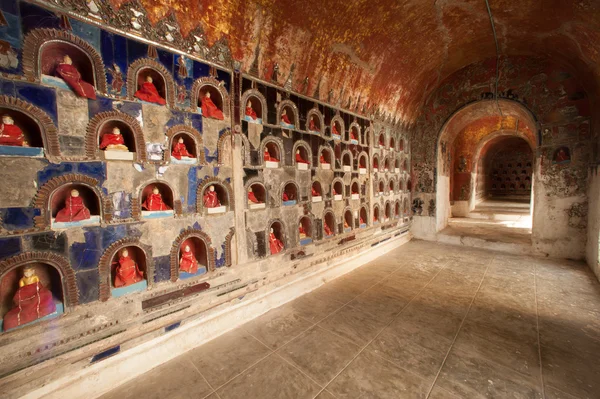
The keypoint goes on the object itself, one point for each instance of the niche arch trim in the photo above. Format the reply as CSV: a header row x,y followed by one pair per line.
x,y
216,182
184,235
279,144
193,133
257,180
37,39
92,150
337,118
284,236
288,104
319,116
282,189
217,85
355,125
306,146
228,135
259,97
148,63
177,206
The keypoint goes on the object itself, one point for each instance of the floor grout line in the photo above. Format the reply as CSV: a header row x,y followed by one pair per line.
x,y
460,327
537,320
203,377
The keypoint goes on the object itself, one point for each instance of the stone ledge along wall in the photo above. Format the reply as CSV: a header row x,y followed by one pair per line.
x,y
64,130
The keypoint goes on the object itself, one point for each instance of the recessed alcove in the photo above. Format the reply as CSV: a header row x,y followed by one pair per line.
x,y
156,200
257,196
405,207
253,110
74,205
362,217
329,224
375,163
397,165
302,158
289,195
386,165
325,159
287,118
216,98
337,190
313,122
194,262
276,238
362,164
316,192
128,271
392,144
391,186
376,214
381,187
183,149
348,221
110,135
355,191
215,198
409,186
52,54
347,162
381,140
23,138
271,155
401,146
33,302
305,230
158,80
336,130
353,135
405,166
388,211
397,211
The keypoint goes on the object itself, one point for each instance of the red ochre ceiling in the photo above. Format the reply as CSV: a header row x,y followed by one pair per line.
x,y
391,53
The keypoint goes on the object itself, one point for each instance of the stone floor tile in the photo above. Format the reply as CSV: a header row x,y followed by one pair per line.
x,y
570,372
342,291
315,306
273,377
370,376
175,379
440,393
356,325
444,320
320,354
226,356
278,326
325,395
380,303
553,393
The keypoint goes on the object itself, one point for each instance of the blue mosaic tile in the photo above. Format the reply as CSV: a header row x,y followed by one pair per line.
x,y
192,185
200,70
41,97
18,218
210,157
225,77
220,262
7,87
136,50
196,121
9,246
11,32
88,283
37,17
162,268
86,255
120,51
107,50
166,58
89,33
112,234
197,226
121,204
102,104
216,171
97,170
9,6
133,109
53,170
50,241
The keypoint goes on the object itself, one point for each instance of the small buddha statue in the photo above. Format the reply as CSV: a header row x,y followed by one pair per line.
x,y
180,150
346,226
127,271
210,198
301,231
209,109
299,158
251,197
149,93
74,210
268,157
154,201
314,192
10,134
312,125
322,158
32,301
334,130
275,244
187,262
284,118
362,221
250,112
113,141
69,73
327,229
352,135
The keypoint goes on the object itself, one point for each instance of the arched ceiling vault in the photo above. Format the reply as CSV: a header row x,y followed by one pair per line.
x,y
390,53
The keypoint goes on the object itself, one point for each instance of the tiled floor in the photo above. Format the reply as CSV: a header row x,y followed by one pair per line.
x,y
425,321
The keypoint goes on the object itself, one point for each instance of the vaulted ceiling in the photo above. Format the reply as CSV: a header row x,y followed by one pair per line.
x,y
391,53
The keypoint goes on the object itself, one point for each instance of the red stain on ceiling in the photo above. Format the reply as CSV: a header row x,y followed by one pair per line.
x,y
391,53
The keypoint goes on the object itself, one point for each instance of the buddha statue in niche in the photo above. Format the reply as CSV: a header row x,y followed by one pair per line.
x,y
314,192
149,93
251,197
250,112
69,73
301,231
74,210
32,301
268,157
209,109
312,125
352,135
127,272
210,199
113,141
287,196
275,244
322,158
284,117
346,226
187,262
299,158
11,134
362,221
334,130
180,150
154,201
327,229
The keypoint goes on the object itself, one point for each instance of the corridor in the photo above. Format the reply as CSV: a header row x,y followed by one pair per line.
x,y
427,320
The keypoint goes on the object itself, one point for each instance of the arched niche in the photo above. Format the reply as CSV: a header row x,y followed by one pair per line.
x,y
325,157
287,114
192,139
363,163
316,191
337,189
271,152
157,204
329,226
128,271
337,153
44,48
365,137
381,140
354,133
58,289
337,127
397,164
218,95
392,186
276,237
347,161
388,211
201,249
225,146
376,214
257,195
66,209
305,230
392,144
401,145
405,165
363,216
405,207
104,123
314,121
289,193
355,190
37,128
348,220
380,187
386,164
397,209
302,155
376,162
255,106
409,186
140,69
219,202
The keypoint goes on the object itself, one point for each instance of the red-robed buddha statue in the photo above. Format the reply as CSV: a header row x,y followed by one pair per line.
x,y
322,159
67,71
346,224
334,130
128,271
284,117
32,301
274,243
210,198
301,231
180,150
149,93
209,109
268,157
352,136
312,125
327,229
10,134
299,158
362,221
250,112
74,210
314,192
251,197
187,262
287,197
154,202
113,141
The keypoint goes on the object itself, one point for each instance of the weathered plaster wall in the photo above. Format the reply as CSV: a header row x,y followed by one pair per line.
x,y
592,252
